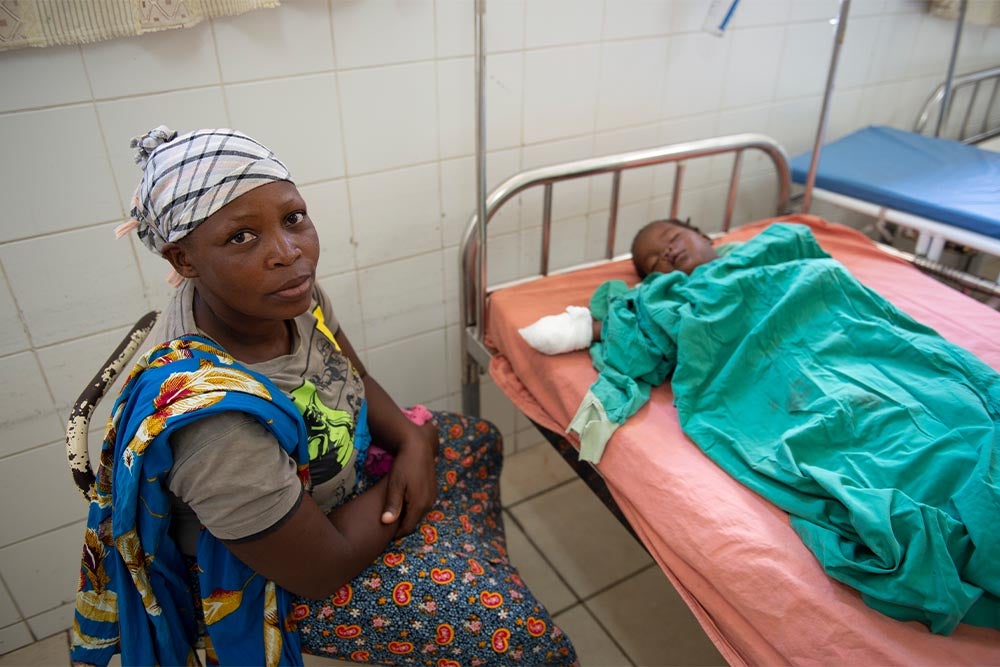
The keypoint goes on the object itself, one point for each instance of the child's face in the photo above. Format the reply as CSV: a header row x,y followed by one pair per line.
x,y
664,247
257,255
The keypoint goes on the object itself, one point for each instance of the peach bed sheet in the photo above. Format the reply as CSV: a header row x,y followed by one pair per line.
x,y
757,591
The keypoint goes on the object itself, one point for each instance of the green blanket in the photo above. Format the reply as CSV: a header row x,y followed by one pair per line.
x,y
875,434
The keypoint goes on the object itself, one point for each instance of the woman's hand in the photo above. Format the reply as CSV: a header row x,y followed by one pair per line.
x,y
412,479
412,483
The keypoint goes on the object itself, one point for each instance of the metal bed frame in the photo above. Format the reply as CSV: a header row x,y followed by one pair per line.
x,y
474,290
978,81
940,104
932,236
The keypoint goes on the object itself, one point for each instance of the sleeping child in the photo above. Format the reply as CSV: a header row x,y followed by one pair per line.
x,y
661,246
877,436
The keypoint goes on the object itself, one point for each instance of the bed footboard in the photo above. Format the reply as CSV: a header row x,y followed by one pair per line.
x,y
973,98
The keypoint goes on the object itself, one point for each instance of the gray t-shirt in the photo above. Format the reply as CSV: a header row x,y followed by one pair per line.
x,y
229,472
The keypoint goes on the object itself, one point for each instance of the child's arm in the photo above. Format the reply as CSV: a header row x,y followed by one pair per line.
x,y
555,334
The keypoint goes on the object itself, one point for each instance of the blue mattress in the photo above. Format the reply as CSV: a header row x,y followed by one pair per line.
x,y
939,179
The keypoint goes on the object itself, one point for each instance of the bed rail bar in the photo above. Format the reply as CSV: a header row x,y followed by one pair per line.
x,y
965,281
978,81
472,269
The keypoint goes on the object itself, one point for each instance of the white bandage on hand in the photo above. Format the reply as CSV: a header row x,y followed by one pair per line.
x,y
565,332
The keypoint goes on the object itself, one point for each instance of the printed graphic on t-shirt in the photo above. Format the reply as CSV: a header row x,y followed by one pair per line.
x,y
334,374
330,433
322,328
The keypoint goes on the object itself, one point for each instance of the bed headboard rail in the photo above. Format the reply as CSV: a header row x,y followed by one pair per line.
x,y
473,287
981,102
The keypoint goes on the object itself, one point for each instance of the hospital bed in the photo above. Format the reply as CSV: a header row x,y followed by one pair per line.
x,y
759,594
945,188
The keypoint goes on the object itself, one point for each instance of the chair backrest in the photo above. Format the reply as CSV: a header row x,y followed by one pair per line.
x,y
78,425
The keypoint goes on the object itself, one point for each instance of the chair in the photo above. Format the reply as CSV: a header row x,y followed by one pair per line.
x,y
77,452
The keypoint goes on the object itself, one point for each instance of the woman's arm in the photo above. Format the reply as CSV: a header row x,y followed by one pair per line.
x,y
412,481
312,554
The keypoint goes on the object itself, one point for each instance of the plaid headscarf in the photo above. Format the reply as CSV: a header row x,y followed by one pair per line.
x,y
189,177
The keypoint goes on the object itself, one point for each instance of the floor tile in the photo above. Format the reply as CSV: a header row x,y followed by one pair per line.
x,y
536,572
652,624
14,637
51,651
580,537
594,647
531,471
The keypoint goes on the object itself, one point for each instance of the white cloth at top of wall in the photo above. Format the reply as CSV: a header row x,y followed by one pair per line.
x,y
984,12
61,22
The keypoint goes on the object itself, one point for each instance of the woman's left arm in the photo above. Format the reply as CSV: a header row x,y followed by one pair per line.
x,y
412,480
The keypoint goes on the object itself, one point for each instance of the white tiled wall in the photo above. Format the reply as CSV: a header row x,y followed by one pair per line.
x,y
370,103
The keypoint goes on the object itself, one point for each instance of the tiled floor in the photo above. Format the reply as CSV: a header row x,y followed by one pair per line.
x,y
602,588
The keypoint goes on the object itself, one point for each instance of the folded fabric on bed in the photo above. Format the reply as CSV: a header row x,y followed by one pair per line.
x,y
877,436
939,179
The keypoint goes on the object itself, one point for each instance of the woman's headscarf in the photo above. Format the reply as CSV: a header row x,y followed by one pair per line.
x,y
189,177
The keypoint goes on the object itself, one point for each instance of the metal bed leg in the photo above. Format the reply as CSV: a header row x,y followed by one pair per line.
x,y
470,388
936,248
923,242
881,228
929,246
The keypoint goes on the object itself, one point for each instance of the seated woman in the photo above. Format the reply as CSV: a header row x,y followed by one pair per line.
x,y
232,501
875,434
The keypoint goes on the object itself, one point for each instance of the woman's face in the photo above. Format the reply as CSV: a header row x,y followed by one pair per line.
x,y
255,258
664,247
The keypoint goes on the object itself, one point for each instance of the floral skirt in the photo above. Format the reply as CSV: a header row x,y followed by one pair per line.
x,y
445,595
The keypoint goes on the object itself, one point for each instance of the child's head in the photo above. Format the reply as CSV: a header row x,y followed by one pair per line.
x,y
669,245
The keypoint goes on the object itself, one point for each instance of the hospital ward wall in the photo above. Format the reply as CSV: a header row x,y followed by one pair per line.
x,y
371,106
